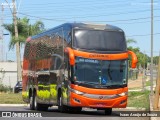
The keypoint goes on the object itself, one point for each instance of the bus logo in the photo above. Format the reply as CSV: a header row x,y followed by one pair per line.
x,y
101,97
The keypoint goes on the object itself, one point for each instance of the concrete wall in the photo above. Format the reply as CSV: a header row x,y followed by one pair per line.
x,y
8,73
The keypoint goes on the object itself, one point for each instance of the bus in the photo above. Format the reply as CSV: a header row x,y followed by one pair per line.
x,y
77,65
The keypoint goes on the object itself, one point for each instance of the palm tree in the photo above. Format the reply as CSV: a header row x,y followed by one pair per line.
x,y
129,41
24,30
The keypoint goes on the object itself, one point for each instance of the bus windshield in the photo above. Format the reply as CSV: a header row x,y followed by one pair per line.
x,y
99,40
101,72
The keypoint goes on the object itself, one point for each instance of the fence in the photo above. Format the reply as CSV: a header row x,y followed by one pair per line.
x,y
133,74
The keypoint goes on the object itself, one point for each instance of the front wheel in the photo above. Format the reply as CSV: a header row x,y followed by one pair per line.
x,y
38,106
108,111
61,107
31,103
75,109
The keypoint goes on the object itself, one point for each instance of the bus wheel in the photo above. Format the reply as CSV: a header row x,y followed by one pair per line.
x,y
108,111
75,109
31,103
38,106
61,107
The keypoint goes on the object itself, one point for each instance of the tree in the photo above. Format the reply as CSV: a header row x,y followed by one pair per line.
x,y
155,60
129,41
24,30
143,59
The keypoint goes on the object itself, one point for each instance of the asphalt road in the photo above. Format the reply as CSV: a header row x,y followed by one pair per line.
x,y
89,114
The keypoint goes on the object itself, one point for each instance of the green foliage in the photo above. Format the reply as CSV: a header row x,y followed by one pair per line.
x,y
143,59
129,41
155,60
25,29
4,88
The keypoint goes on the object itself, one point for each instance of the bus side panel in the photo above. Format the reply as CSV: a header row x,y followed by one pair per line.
x,y
42,81
25,91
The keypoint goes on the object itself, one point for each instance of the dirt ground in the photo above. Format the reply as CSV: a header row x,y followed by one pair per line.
x,y
135,83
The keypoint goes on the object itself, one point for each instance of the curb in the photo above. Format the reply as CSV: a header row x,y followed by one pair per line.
x,y
21,105
13,105
132,108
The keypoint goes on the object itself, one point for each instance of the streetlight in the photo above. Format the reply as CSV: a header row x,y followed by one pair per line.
x,y
151,76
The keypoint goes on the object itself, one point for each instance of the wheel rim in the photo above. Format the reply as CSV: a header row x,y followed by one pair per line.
x,y
31,99
35,102
60,101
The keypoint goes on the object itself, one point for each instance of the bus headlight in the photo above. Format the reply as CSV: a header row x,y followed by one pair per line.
x,y
123,94
76,91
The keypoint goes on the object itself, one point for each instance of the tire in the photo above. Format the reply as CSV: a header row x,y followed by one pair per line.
x,y
38,106
31,103
75,109
108,111
61,107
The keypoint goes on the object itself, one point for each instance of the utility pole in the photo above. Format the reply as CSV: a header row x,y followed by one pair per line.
x,y
19,71
151,69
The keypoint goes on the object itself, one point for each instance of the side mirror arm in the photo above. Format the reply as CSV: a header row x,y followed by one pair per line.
x,y
134,59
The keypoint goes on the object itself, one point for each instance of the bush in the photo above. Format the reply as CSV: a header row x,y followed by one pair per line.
x,y
4,88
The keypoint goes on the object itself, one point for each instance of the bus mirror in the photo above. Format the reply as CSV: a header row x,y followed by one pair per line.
x,y
71,55
134,59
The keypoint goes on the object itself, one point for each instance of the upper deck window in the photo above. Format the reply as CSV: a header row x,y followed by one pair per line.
x,y
99,40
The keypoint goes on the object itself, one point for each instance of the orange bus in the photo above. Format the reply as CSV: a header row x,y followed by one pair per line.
x,y
77,65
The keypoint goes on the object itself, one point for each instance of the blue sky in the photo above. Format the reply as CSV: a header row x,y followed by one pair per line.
x,y
133,16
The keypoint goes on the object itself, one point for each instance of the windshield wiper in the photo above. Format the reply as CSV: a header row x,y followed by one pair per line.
x,y
85,82
109,71
112,86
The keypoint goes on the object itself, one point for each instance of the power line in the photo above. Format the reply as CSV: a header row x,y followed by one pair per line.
x,y
79,3
133,19
119,13
137,22
80,7
41,17
143,35
116,13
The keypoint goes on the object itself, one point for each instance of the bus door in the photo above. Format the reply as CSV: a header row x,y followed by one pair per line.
x,y
55,76
66,80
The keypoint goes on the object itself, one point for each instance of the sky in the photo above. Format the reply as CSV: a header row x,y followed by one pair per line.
x,y
133,16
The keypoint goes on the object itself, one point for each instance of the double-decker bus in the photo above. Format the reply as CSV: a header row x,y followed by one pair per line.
x,y
77,65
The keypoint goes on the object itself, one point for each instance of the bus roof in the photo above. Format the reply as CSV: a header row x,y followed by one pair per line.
x,y
80,26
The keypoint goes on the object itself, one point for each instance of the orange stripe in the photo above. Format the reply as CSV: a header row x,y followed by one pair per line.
x,y
97,103
99,91
101,56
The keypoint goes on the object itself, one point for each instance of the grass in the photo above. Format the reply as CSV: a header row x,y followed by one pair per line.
x,y
135,99
139,99
148,83
11,98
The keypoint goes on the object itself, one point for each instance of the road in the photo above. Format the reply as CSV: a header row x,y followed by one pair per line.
x,y
89,114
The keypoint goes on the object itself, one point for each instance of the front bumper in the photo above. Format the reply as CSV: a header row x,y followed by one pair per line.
x,y
101,102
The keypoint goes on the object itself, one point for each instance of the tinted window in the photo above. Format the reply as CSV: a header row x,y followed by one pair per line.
x,y
99,40
101,72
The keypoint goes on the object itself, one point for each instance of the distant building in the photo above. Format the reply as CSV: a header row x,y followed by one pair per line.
x,y
8,73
